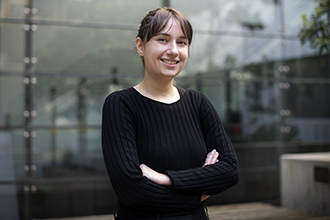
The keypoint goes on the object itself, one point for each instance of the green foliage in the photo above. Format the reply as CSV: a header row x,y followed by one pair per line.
x,y
316,30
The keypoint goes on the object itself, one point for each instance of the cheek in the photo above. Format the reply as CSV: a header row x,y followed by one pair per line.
x,y
155,52
184,54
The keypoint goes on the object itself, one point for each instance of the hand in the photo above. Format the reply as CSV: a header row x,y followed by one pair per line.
x,y
204,197
211,158
154,176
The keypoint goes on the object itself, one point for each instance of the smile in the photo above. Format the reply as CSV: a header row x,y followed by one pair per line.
x,y
170,62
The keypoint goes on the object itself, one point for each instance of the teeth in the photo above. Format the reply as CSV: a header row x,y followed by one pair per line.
x,y
169,62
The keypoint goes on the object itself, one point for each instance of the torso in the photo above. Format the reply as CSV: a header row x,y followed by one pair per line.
x,y
168,136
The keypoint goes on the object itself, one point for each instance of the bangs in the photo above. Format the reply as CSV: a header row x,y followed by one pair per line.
x,y
161,19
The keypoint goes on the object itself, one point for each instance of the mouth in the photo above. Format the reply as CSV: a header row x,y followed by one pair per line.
x,y
170,62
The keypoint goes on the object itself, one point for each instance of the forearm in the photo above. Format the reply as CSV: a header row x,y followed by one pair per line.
x,y
154,176
165,180
208,180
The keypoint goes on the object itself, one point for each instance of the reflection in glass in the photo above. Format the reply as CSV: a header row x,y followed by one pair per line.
x,y
68,153
12,9
310,113
111,11
67,199
73,101
309,67
230,15
11,47
12,155
305,100
292,11
217,54
9,201
91,50
11,101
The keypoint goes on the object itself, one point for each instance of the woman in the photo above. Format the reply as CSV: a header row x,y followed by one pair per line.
x,y
164,147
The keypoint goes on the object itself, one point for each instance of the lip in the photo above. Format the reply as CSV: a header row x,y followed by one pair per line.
x,y
169,62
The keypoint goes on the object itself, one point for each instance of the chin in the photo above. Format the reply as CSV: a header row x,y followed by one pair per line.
x,y
171,75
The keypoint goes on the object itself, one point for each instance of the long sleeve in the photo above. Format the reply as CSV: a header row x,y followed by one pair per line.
x,y
211,179
119,124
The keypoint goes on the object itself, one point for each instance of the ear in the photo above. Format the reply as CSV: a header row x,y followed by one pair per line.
x,y
139,46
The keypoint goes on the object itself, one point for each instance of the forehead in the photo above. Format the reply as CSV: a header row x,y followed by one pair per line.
x,y
171,26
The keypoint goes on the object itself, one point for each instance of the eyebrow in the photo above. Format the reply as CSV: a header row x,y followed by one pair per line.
x,y
165,34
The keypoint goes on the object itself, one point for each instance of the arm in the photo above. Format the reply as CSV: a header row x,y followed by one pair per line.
x,y
163,179
217,177
121,160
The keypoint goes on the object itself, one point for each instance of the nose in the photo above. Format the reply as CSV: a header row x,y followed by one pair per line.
x,y
173,49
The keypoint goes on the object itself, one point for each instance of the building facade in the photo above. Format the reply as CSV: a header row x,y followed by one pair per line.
x,y
59,59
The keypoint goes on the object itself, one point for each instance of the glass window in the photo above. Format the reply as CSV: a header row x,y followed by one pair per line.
x,y
292,12
307,100
12,46
316,67
55,101
110,11
214,55
12,8
60,152
9,202
85,50
230,16
60,101
294,49
12,155
11,101
67,198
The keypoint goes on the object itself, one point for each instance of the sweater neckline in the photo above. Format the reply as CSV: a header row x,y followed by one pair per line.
x,y
181,93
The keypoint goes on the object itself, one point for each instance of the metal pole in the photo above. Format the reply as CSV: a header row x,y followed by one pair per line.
x,y
53,94
28,133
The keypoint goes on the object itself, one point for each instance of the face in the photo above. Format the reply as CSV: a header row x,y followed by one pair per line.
x,y
165,54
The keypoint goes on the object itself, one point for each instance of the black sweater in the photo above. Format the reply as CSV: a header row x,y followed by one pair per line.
x,y
170,138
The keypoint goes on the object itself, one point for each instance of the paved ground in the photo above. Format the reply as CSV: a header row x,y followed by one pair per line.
x,y
247,211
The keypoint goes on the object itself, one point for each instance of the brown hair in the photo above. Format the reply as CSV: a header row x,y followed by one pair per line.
x,y
156,20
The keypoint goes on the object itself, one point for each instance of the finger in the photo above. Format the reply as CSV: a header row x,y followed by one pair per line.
x,y
142,166
214,158
145,169
208,158
211,157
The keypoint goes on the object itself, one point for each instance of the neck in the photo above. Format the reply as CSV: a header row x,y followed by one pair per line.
x,y
162,92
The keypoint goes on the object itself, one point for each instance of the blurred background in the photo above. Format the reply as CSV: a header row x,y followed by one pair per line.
x,y
59,59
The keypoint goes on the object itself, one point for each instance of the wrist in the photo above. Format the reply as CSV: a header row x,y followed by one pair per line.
x,y
166,180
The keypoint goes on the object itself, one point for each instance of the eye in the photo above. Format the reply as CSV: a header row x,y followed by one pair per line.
x,y
182,43
162,40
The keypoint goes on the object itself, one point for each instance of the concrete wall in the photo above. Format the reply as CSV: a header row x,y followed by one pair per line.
x,y
305,182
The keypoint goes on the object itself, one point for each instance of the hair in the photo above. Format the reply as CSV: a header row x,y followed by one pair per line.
x,y
156,20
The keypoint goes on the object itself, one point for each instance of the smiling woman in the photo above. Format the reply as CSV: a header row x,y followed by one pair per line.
x,y
164,56
163,43
164,147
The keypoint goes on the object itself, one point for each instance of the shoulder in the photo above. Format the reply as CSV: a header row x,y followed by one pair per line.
x,y
193,95
120,96
118,100
199,101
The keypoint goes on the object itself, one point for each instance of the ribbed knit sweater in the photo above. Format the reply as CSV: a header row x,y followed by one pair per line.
x,y
173,139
